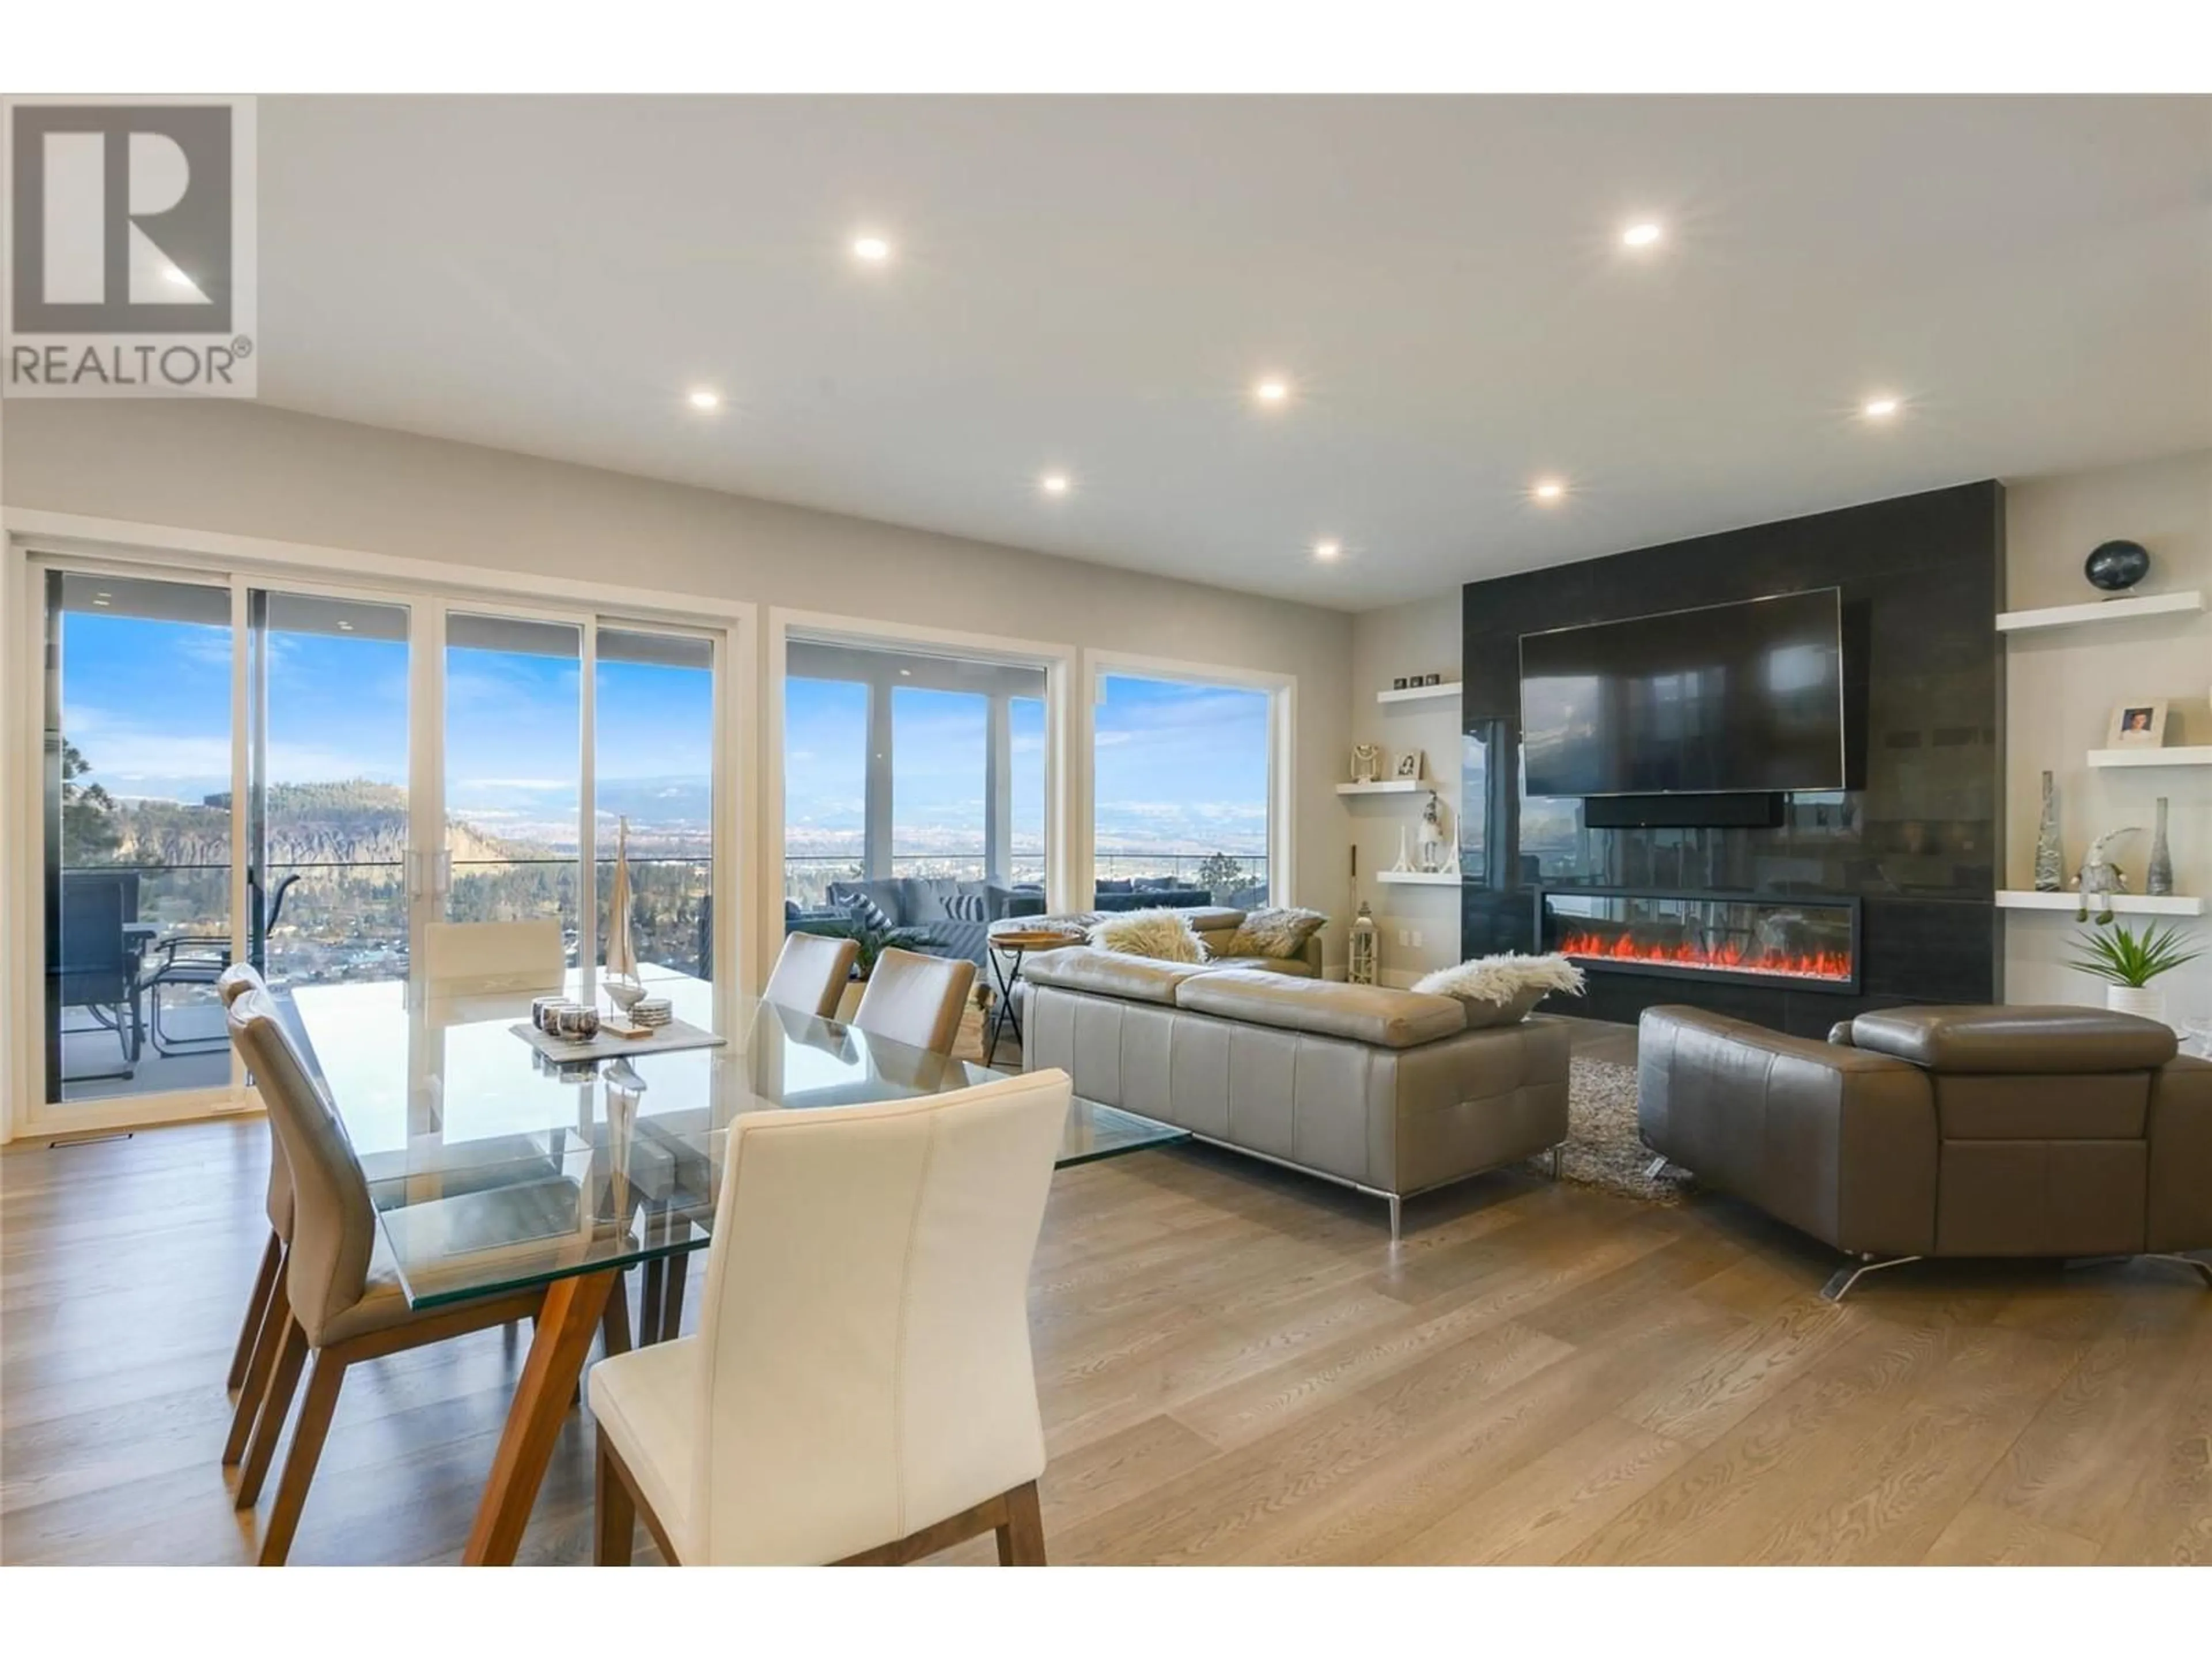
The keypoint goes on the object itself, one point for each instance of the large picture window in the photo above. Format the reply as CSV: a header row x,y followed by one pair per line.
x,y
916,781
1181,782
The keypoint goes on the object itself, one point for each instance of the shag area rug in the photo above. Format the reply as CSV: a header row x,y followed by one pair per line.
x,y
1602,1150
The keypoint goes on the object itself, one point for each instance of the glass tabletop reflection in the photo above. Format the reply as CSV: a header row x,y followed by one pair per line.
x,y
493,1166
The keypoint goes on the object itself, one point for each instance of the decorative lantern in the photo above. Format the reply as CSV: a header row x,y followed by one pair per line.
x,y
1361,969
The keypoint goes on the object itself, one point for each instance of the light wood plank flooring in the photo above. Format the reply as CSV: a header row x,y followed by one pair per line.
x,y
1235,1366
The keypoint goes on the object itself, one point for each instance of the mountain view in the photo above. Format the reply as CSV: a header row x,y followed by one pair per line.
x,y
345,916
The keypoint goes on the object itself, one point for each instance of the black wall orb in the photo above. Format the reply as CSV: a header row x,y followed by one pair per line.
x,y
2117,566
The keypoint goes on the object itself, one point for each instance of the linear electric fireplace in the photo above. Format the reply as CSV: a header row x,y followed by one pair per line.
x,y
1802,944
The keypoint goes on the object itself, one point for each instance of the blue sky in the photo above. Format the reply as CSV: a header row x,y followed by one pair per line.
x,y
1179,767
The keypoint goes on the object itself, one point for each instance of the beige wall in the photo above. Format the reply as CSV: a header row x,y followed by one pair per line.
x,y
2062,686
1408,639
248,470
2062,683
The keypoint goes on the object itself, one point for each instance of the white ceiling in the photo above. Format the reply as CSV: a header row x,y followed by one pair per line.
x,y
1094,284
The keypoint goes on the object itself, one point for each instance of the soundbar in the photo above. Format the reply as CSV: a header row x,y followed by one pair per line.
x,y
1729,811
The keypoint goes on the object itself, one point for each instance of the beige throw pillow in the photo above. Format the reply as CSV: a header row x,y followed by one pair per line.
x,y
1280,932
1501,990
1162,935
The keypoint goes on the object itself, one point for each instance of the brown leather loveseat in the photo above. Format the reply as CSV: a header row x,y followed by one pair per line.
x,y
1943,1132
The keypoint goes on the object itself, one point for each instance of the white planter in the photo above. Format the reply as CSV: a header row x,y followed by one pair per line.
x,y
2147,1001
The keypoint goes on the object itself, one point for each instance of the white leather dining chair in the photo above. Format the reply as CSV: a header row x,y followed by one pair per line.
x,y
916,999
860,1389
461,959
811,972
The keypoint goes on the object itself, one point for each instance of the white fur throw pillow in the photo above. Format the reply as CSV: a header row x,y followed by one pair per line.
x,y
1162,935
1280,933
1501,990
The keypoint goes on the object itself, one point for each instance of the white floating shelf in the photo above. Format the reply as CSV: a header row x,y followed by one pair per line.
x,y
2199,754
2065,616
1417,878
1386,787
1419,693
2138,904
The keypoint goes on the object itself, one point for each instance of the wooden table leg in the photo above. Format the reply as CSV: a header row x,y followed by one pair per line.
x,y
566,1324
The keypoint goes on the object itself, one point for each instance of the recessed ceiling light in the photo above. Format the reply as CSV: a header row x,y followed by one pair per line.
x,y
1325,550
102,599
1053,483
1642,234
177,277
872,249
1880,409
345,628
703,398
1548,490
1273,391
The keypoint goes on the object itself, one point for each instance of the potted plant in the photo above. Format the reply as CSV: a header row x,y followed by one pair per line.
x,y
2128,962
873,942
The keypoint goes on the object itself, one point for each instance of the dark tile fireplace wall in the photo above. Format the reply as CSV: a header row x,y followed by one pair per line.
x,y
1916,838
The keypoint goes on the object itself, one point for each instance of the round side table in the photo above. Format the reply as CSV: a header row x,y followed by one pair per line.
x,y
1005,952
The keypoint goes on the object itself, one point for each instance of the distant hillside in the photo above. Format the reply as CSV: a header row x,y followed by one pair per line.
x,y
356,822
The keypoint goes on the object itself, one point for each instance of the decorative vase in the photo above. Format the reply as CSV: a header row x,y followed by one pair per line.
x,y
2049,850
2116,567
2146,1000
2159,879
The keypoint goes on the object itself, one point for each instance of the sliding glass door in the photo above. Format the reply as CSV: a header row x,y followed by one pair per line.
x,y
652,770
514,772
304,778
328,789
139,832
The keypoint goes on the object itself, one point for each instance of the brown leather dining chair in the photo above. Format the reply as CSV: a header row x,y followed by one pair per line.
x,y
811,972
338,1299
257,1338
916,999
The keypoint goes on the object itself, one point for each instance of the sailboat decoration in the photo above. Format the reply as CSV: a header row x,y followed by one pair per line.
x,y
624,987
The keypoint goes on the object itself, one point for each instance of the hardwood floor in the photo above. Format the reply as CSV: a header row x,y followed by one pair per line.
x,y
1235,1366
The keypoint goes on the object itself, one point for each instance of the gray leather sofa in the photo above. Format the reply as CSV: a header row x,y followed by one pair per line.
x,y
1385,1092
1943,1132
917,901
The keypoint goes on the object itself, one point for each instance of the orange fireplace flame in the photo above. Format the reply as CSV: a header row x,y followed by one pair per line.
x,y
1723,957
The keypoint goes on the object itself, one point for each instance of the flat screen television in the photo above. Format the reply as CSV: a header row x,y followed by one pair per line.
x,y
1725,699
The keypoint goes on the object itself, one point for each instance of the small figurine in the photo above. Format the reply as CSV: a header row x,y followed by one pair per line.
x,y
1433,836
2099,878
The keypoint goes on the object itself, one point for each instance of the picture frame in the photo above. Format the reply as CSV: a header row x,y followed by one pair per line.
x,y
1409,764
1366,762
1432,679
2140,723
1399,684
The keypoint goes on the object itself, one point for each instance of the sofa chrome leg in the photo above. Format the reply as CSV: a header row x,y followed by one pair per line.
x,y
1558,1154
1397,1204
1839,1285
2203,1267
1655,1169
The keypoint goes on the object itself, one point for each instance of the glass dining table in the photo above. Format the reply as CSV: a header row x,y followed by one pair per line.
x,y
494,1166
